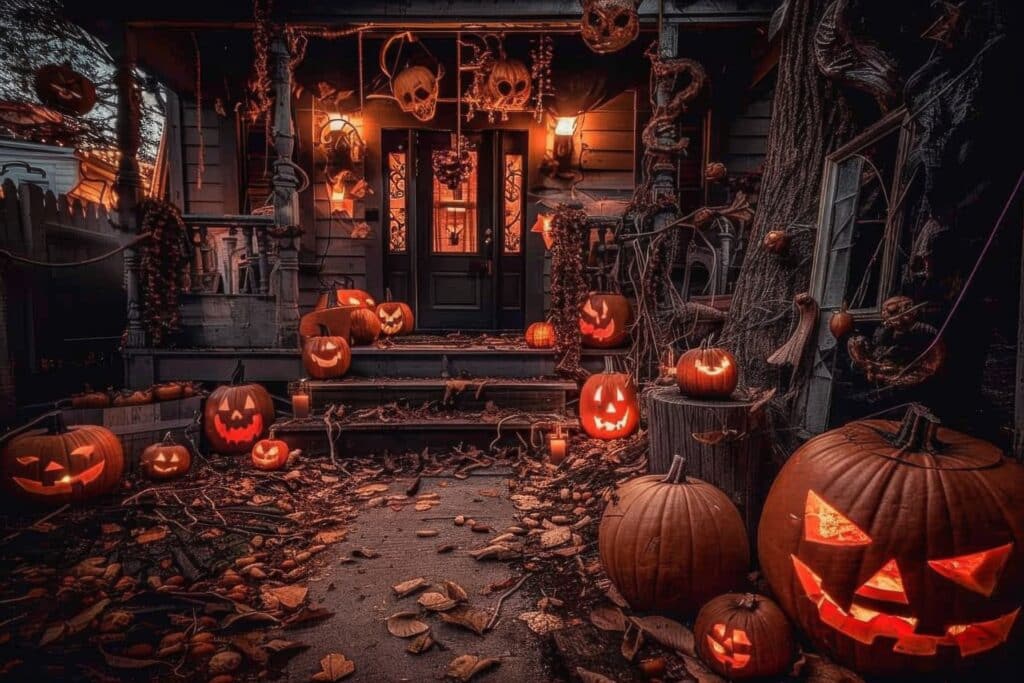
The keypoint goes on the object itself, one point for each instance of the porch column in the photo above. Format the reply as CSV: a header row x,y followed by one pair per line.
x,y
665,166
129,181
285,183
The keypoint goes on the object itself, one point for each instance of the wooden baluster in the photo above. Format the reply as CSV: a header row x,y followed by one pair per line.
x,y
263,243
230,246
247,233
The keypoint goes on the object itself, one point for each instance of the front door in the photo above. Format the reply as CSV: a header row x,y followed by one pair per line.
x,y
466,262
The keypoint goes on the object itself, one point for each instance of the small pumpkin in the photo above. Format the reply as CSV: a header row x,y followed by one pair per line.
x,y
707,372
344,295
168,391
270,454
540,335
326,356
237,415
395,317
776,242
670,542
841,322
743,636
608,404
90,399
604,320
60,464
364,326
165,460
128,397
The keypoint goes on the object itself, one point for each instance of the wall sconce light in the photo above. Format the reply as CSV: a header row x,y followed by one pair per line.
x,y
565,129
543,226
566,125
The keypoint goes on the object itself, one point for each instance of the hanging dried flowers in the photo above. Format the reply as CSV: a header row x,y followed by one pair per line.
x,y
453,166
259,81
541,54
568,287
162,269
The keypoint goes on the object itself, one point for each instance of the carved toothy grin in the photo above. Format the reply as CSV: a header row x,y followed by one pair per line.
x,y
245,434
324,362
610,426
865,625
62,486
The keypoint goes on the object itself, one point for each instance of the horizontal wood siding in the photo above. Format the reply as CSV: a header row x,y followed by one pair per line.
x,y
605,143
214,152
746,139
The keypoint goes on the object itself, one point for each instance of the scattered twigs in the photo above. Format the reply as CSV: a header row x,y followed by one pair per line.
x,y
42,520
501,600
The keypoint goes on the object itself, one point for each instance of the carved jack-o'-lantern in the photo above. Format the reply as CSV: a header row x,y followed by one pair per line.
x,y
236,416
60,87
707,372
508,85
604,319
608,404
610,25
62,464
326,357
395,317
165,460
897,546
345,296
540,335
416,89
269,454
742,636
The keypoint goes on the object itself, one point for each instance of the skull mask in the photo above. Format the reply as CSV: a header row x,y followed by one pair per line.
x,y
508,85
610,25
416,89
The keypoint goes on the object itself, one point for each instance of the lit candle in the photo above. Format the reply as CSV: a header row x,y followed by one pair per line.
x,y
558,446
300,405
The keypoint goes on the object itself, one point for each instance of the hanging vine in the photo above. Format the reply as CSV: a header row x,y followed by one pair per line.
x,y
260,101
162,266
568,287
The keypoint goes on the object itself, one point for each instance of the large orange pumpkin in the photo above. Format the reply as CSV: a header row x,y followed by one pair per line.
x,y
707,372
237,415
898,547
604,320
742,636
671,543
61,464
608,405
395,317
364,326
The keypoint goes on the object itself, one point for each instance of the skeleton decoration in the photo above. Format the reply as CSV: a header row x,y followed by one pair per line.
x,y
416,90
508,85
609,25
904,351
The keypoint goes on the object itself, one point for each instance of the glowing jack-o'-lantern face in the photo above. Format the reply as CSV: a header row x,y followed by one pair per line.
x,y
897,547
347,297
707,372
729,646
269,454
743,635
165,460
604,319
608,406
235,417
395,318
326,357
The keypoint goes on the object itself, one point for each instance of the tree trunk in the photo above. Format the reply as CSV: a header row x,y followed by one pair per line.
x,y
809,119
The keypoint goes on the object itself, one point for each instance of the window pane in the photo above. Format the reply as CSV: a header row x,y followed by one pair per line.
x,y
397,225
455,215
513,203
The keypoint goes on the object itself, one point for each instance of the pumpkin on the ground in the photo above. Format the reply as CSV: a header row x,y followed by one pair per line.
x,y
604,320
707,372
237,415
326,356
670,542
364,326
540,335
608,404
742,635
897,546
165,460
270,454
61,464
395,317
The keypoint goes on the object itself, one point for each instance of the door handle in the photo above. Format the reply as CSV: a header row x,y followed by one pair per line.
x,y
488,233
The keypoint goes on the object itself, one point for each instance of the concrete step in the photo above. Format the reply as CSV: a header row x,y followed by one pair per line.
x,y
476,361
529,395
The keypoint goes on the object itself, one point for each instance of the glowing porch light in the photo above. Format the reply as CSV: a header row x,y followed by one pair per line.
x,y
566,125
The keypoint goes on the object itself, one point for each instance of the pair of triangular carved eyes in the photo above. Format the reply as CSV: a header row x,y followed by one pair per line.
x,y
225,408
80,452
978,572
162,457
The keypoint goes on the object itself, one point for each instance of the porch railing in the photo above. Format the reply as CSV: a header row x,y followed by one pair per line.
x,y
230,254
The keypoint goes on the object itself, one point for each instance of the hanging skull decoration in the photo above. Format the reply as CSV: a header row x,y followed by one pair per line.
x,y
610,25
508,85
416,90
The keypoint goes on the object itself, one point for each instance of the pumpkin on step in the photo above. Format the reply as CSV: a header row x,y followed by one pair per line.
x,y
898,547
165,460
608,404
742,636
345,295
364,326
707,372
540,335
604,319
326,356
670,543
237,415
138,397
395,317
270,454
61,464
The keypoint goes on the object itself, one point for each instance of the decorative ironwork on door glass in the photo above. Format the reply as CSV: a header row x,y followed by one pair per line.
x,y
397,218
513,204
455,215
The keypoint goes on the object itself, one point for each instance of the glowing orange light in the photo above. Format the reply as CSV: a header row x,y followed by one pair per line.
x,y
824,524
886,584
565,125
543,226
978,572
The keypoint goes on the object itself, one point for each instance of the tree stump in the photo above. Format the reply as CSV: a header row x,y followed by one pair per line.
x,y
722,442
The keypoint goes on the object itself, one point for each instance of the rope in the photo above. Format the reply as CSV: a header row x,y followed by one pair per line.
x,y
75,264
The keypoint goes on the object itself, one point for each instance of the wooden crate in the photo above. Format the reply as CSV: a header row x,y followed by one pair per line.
x,y
140,426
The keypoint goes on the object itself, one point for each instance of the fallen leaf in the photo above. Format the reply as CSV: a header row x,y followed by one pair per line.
x,y
420,644
81,620
328,536
334,667
608,619
436,602
667,632
467,617
632,641
157,533
553,538
542,623
406,625
591,677
700,672
455,591
53,633
249,619
365,553
464,667
527,502
409,587
817,669
280,646
290,597
495,552
613,594
119,662
370,490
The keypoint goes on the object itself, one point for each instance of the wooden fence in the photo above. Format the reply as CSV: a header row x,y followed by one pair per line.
x,y
62,325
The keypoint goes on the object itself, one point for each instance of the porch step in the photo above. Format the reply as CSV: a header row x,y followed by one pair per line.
x,y
537,395
362,438
475,361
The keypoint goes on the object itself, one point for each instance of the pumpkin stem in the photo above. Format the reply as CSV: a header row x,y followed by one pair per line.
x,y
918,431
387,294
168,439
238,375
609,364
54,418
748,601
677,471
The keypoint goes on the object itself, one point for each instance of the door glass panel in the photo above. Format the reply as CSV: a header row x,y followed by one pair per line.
x,y
397,219
513,203
455,215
